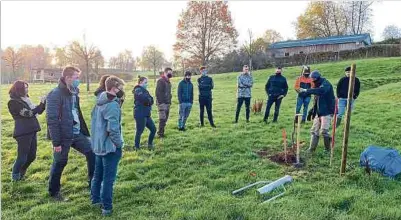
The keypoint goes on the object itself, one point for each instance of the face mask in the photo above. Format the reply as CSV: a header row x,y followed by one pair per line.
x,y
188,79
145,85
169,75
75,83
347,74
204,72
278,73
306,74
120,94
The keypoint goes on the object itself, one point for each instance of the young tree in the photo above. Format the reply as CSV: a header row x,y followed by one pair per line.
x,y
272,36
152,57
359,16
205,29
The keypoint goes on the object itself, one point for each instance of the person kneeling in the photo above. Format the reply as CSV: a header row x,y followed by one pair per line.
x,y
107,143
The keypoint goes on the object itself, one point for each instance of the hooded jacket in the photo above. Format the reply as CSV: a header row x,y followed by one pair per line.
x,y
106,125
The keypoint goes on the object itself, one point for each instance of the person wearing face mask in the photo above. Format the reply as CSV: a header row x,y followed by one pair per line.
x,y
244,86
67,128
304,82
185,98
276,89
205,85
102,88
342,94
163,99
24,113
106,119
143,102
322,111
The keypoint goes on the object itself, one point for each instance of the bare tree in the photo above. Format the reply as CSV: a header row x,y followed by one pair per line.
x,y
249,48
359,16
13,59
87,52
151,56
391,32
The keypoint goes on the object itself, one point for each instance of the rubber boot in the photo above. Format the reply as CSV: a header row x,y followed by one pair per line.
x,y
327,143
314,141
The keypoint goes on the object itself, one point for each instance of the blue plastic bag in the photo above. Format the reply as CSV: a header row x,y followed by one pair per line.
x,y
386,161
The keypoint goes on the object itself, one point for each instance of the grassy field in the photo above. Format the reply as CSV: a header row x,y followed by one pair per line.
x,y
191,175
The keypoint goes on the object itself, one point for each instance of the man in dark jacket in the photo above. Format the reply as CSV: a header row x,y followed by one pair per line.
x,y
67,128
163,99
323,107
205,85
276,89
342,94
185,99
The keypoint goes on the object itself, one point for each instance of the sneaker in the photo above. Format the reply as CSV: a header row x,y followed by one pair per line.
x,y
59,198
213,126
106,212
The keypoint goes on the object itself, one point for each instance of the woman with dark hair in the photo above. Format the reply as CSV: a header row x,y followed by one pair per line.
x,y
143,102
102,88
24,113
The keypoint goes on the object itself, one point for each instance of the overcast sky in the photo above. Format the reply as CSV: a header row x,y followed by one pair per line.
x,y
115,26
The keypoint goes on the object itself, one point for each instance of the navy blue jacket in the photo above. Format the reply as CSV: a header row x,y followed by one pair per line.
x,y
325,99
185,92
205,85
343,85
143,102
60,120
24,117
276,85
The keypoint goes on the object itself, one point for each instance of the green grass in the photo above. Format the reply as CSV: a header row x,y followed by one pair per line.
x,y
191,175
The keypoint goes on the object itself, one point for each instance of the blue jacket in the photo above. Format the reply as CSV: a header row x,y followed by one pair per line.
x,y
205,85
325,100
185,92
106,125
143,102
276,85
60,120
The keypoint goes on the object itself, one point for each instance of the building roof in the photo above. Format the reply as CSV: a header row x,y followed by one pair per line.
x,y
365,38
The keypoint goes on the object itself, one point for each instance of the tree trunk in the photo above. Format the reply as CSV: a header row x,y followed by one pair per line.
x,y
87,75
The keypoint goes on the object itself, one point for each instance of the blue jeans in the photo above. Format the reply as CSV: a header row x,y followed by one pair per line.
x,y
141,123
104,177
184,110
80,143
303,101
342,106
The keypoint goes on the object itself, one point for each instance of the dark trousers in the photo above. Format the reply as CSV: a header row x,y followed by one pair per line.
x,y
277,103
27,145
205,103
80,143
104,178
241,100
141,123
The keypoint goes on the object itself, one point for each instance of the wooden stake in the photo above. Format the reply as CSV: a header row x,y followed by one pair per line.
x,y
298,136
285,145
347,119
333,137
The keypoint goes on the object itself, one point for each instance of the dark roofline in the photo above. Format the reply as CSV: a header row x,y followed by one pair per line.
x,y
322,41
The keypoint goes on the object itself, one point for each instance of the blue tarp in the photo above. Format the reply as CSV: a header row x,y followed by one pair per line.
x,y
384,160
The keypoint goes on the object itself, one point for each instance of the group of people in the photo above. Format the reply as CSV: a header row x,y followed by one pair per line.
x,y
103,150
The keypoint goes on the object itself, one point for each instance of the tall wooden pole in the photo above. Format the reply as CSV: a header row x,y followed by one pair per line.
x,y
298,136
348,119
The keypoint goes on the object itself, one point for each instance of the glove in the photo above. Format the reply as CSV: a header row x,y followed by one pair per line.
x,y
302,90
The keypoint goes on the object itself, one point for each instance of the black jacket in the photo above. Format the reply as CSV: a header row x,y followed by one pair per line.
x,y
343,85
205,85
276,85
24,117
60,120
143,102
163,91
